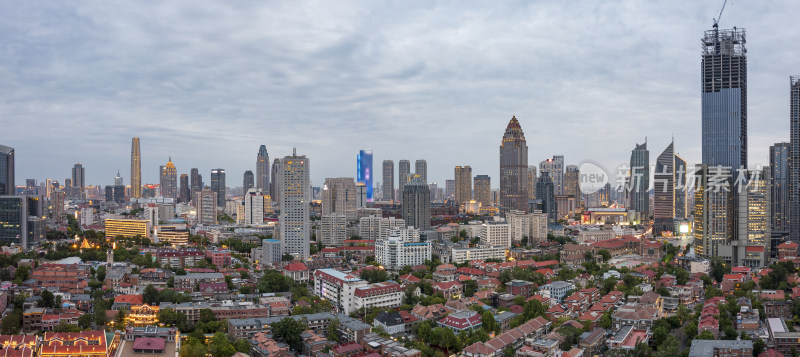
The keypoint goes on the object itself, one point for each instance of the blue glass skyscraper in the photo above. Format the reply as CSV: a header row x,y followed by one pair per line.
x,y
364,171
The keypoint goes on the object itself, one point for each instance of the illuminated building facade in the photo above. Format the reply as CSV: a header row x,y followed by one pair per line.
x,y
483,190
513,168
169,180
364,171
779,186
136,169
339,197
143,315
463,180
127,228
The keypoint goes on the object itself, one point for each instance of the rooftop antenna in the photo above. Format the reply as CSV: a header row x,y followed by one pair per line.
x,y
716,21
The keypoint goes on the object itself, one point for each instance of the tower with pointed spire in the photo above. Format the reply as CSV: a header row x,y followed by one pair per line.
x,y
169,180
513,168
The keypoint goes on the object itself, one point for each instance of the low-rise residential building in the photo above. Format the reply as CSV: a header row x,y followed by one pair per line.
x,y
191,281
721,348
556,290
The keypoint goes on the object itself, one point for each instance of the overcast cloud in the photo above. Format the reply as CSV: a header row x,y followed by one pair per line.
x,y
208,82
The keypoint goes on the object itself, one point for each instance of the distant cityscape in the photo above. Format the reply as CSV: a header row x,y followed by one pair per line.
x,y
564,259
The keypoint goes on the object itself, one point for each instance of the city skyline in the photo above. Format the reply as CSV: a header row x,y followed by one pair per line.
x,y
609,95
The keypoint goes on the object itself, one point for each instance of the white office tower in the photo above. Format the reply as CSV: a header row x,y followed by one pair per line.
x,y
399,250
253,207
496,233
333,230
361,195
295,197
519,225
377,228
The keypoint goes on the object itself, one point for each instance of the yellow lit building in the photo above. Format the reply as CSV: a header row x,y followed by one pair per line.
x,y
127,228
143,315
173,235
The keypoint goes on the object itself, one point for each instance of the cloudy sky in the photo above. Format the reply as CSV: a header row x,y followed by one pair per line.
x,y
207,83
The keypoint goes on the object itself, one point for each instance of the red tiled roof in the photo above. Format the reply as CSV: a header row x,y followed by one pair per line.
x,y
295,266
149,343
130,299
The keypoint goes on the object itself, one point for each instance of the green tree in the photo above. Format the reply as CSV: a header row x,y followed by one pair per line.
x,y
605,320
22,274
605,254
192,347
220,346
12,323
48,299
288,331
85,321
758,347
241,345
332,332
273,281
470,288
150,295
488,323
705,335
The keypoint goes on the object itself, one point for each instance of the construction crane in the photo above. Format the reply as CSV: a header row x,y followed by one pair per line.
x,y
716,21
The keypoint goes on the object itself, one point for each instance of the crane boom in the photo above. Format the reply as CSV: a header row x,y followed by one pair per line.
x,y
716,21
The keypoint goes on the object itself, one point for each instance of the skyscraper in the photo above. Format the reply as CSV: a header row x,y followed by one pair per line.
x,y
253,202
664,191
364,171
78,182
463,178
218,185
421,169
7,185
136,169
404,168
417,204
513,169
185,192
450,189
339,197
571,184
22,220
262,170
794,159
724,141
169,180
639,198
532,182
388,180
295,226
483,190
205,203
197,182
681,191
779,188
248,181
545,192
274,184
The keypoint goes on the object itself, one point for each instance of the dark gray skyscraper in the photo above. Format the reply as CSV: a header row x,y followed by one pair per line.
x,y
513,169
185,192
197,181
78,181
7,185
483,190
388,180
421,169
417,204
779,188
403,169
218,185
638,197
794,159
247,181
262,170
275,185
664,191
545,192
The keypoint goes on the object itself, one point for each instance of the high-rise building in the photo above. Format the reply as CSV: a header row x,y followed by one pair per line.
x,y
388,180
532,182
218,185
333,230
205,203
118,181
681,189
513,169
169,180
185,193
403,170
664,192
555,168
364,171
639,198
274,185
248,181
463,180
421,169
253,206
339,198
449,189
7,185
483,190
262,170
196,180
295,184
136,169
724,138
545,193
779,187
78,182
571,184
21,218
417,204
794,159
